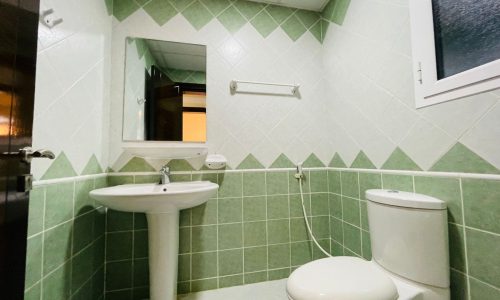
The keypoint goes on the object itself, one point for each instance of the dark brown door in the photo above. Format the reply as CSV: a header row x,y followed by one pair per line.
x,y
163,108
18,42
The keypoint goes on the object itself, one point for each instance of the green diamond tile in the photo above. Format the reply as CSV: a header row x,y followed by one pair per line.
x,y
313,162
180,165
293,28
109,6
122,9
400,161
232,19
60,167
250,162
282,162
141,46
92,166
180,5
216,6
248,9
142,2
197,15
308,18
337,162
279,13
341,7
324,28
316,31
461,159
137,164
327,12
160,10
264,23
362,162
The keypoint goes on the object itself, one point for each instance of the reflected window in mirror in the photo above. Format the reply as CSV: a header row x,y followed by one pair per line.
x,y
165,91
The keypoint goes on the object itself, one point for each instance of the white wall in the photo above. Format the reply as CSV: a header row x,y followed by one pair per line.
x,y
367,64
72,84
242,124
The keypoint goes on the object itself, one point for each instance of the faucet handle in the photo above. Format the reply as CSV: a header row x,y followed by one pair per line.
x,y
165,169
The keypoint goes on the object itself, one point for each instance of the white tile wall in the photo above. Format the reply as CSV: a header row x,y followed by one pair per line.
x,y
72,83
357,90
265,126
370,94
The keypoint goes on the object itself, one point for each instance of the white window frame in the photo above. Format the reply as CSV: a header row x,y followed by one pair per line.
x,y
428,89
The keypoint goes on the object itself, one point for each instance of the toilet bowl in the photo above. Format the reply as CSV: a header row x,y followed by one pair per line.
x,y
409,239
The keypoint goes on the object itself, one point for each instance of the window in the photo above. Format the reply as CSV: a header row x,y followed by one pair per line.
x,y
456,48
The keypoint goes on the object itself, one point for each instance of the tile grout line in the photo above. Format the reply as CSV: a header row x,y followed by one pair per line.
x,y
465,240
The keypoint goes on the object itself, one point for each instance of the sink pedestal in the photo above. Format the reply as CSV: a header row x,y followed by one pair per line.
x,y
163,234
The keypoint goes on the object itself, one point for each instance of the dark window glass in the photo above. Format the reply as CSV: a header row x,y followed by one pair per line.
x,y
467,34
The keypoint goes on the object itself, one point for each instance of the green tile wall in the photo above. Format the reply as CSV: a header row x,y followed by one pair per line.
x,y
473,214
252,231
66,237
234,14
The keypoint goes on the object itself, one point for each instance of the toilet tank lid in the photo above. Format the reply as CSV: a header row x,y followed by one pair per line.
x,y
405,199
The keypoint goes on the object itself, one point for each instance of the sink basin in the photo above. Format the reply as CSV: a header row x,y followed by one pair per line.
x,y
161,203
155,198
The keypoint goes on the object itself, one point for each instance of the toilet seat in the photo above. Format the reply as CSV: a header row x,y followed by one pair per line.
x,y
340,278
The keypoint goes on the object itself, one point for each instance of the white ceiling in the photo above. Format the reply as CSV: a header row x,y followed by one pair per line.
x,y
316,5
178,55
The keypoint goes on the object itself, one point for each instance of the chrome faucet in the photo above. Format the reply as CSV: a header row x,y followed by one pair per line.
x,y
164,175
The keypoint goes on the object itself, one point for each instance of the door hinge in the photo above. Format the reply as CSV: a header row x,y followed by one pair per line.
x,y
419,71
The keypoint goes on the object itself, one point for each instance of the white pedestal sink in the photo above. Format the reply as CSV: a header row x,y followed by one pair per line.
x,y
161,203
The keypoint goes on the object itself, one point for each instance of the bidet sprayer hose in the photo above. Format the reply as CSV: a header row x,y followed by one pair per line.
x,y
299,175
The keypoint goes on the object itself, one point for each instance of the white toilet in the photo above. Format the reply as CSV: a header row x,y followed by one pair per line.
x,y
409,240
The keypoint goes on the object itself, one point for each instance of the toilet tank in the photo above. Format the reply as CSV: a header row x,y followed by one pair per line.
x,y
409,235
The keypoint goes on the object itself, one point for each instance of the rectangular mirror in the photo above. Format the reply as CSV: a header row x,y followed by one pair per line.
x,y
164,91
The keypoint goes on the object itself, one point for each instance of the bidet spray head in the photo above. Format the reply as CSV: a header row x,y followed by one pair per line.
x,y
299,174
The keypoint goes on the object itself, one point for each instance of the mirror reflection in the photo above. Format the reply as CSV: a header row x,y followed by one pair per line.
x,y
165,91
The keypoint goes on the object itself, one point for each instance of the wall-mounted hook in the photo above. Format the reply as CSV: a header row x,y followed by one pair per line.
x,y
47,18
